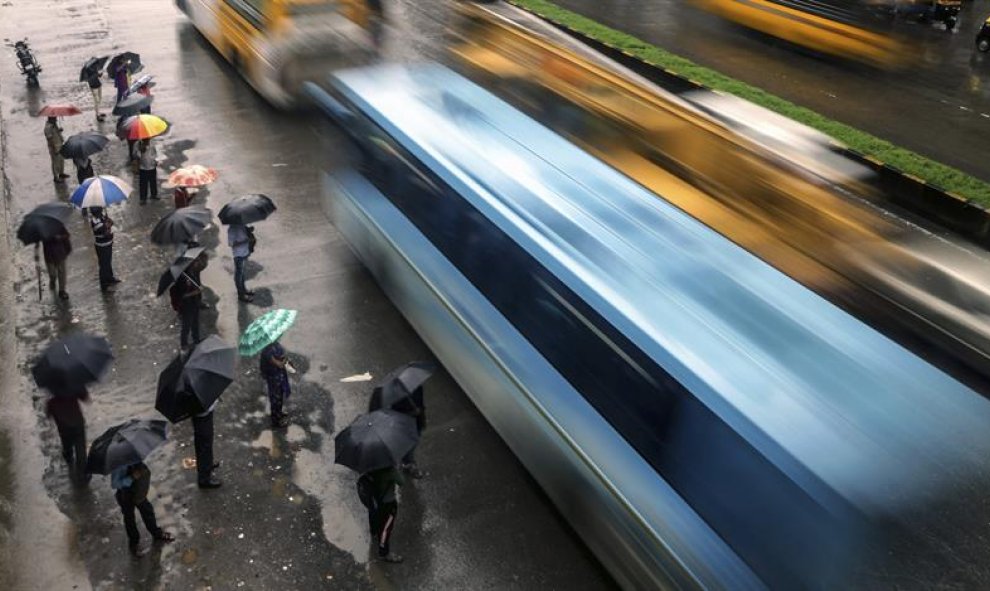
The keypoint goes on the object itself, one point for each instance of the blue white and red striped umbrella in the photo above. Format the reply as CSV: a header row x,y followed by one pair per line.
x,y
100,191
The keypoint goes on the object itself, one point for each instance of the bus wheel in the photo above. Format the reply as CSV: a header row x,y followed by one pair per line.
x,y
983,44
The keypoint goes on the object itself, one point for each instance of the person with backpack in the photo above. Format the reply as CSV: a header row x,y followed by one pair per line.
x,y
240,238
56,250
377,491
186,296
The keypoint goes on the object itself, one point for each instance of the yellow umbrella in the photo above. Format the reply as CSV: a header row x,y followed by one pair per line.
x,y
142,127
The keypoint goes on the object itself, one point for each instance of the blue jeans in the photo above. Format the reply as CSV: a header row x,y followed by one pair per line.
x,y
239,275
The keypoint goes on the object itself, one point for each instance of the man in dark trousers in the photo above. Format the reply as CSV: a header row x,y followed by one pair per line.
x,y
203,442
190,297
103,240
377,491
414,406
131,484
56,251
63,408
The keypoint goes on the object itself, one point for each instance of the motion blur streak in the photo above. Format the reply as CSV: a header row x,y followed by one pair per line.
x,y
776,188
702,419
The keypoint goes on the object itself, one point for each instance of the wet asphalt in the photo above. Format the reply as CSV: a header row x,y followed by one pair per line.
x,y
938,107
286,517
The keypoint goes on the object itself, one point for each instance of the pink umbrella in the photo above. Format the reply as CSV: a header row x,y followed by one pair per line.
x,y
58,111
191,176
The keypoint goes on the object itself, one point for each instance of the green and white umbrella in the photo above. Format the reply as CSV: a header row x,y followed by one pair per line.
x,y
265,331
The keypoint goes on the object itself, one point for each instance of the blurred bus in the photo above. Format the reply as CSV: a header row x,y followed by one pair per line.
x,y
700,419
277,44
777,188
844,28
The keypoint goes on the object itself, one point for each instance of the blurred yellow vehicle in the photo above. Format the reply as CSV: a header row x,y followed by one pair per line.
x,y
278,44
777,188
836,27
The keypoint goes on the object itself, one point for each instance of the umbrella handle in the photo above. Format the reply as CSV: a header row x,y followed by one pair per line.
x,y
191,280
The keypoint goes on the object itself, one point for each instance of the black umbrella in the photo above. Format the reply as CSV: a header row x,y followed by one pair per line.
x,y
247,210
142,81
125,444
191,384
400,384
375,440
76,360
44,222
177,268
132,105
132,59
83,145
181,225
93,64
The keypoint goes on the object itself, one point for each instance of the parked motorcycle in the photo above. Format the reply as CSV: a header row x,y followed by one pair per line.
x,y
28,63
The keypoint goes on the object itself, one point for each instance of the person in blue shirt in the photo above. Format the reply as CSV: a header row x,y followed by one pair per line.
x,y
131,484
276,376
238,238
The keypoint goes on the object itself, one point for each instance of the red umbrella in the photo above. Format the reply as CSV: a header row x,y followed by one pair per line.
x,y
58,111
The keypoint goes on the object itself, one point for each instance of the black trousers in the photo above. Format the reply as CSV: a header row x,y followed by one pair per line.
x,y
148,184
381,520
104,256
203,442
189,319
73,448
127,507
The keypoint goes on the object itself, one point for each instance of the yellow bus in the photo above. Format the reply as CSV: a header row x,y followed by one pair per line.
x,y
278,44
837,27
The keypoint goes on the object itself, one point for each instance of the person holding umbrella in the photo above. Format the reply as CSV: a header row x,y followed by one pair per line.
x,y
147,170
402,391
240,236
53,136
188,179
121,77
187,293
56,250
120,452
91,74
262,336
372,445
80,147
64,368
102,227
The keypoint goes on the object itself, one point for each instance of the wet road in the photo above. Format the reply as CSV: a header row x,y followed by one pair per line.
x,y
286,518
939,108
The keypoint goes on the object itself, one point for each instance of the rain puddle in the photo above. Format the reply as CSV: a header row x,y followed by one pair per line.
x,y
344,521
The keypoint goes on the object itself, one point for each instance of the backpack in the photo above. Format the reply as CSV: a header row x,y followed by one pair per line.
x,y
252,241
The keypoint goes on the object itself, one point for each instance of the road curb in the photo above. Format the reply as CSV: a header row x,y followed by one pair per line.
x,y
916,195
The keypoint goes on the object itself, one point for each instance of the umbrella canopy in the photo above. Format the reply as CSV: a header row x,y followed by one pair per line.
x,y
376,440
125,444
181,225
132,105
191,384
58,111
403,381
191,176
265,331
131,59
84,145
177,268
44,222
76,360
137,85
100,191
142,127
247,210
92,65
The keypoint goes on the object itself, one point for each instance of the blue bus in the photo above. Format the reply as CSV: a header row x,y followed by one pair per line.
x,y
702,420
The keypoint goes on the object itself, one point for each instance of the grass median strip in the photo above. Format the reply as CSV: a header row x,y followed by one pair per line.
x,y
945,177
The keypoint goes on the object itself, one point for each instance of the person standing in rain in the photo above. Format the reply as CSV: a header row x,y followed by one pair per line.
x,y
203,442
414,406
275,371
96,88
64,409
377,492
189,295
147,170
131,484
240,245
53,135
122,79
56,251
103,240
84,168
182,197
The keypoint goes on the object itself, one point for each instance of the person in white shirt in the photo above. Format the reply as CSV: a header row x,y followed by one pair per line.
x,y
147,170
239,241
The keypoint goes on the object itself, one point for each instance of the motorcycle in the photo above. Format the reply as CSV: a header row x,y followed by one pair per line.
x,y
28,63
